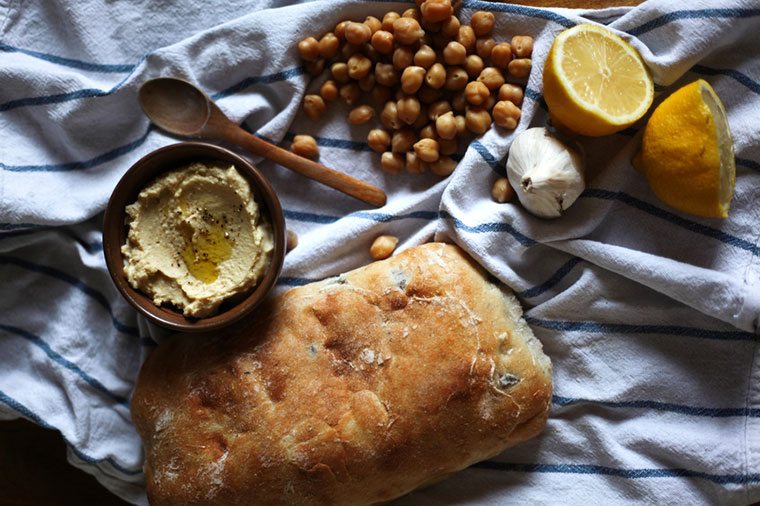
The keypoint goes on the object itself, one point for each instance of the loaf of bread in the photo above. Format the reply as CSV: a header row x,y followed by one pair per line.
x,y
350,391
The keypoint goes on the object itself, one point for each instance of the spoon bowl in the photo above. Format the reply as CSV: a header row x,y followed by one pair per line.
x,y
175,105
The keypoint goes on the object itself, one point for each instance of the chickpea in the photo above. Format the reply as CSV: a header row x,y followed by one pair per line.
x,y
428,95
385,74
383,246
450,27
427,150
476,92
490,102
501,55
329,91
466,37
314,106
425,57
492,78
438,109
443,167
474,65
350,93
446,126
512,93
348,50
456,79
408,109
520,68
506,114
358,33
522,46
407,30
360,115
389,116
459,102
340,30
373,24
315,67
403,57
378,139
454,53
291,242
328,45
436,76
305,145
477,120
412,13
392,162
358,66
411,79
339,72
461,125
501,191
388,20
436,11
447,146
482,23
413,164
367,83
381,94
484,47
382,41
403,140
429,132
308,48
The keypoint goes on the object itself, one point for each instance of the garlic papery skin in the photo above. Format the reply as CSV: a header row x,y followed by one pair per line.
x,y
546,174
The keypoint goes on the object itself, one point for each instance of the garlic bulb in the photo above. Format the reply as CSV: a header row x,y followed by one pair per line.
x,y
547,175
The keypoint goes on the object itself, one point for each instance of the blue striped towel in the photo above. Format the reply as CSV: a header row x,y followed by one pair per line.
x,y
650,316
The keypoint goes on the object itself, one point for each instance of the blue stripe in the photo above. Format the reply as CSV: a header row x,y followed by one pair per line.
x,y
70,62
553,280
519,9
734,74
488,157
294,281
625,328
265,79
59,359
663,406
692,14
750,164
309,217
485,228
367,215
30,415
335,143
633,474
673,218
76,283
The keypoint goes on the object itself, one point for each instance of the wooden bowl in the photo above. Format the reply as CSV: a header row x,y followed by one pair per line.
x,y
115,230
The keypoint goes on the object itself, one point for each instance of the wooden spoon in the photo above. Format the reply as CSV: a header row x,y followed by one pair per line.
x,y
182,109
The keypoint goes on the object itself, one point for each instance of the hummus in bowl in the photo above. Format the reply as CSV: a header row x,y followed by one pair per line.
x,y
196,238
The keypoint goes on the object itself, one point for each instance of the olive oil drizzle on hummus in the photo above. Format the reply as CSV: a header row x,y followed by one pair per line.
x,y
205,250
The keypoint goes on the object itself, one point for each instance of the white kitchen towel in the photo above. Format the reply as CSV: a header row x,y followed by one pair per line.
x,y
650,316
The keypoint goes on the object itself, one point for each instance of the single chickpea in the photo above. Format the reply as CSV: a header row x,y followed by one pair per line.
x,y
438,108
388,20
382,41
385,74
367,83
474,65
339,72
373,23
358,33
501,55
348,50
389,116
413,164
383,246
466,37
454,53
446,126
315,68
305,145
314,106
512,93
412,79
408,109
413,13
291,242
476,92
428,95
456,78
459,102
425,57
407,30
436,11
501,191
492,78
477,120
520,67
447,146
461,125
340,30
436,76
329,91
443,167
506,114
378,139
522,46
380,94
484,47
308,48
403,140
427,150
429,132
403,57
392,162
358,66
450,27
350,93
482,23
360,115
328,45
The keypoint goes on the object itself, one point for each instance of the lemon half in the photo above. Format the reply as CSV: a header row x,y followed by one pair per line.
x,y
687,153
595,83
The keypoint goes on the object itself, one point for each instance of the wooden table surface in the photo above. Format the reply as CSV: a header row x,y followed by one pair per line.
x,y
33,466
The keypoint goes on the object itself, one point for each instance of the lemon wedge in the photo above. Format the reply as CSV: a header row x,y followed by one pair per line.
x,y
595,83
687,153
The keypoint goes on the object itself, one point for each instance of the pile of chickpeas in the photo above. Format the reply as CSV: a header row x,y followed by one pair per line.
x,y
433,81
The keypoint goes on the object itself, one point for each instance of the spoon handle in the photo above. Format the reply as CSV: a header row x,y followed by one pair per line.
x,y
313,170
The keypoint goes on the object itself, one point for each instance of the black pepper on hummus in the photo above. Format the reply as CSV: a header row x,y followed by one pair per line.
x,y
196,237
